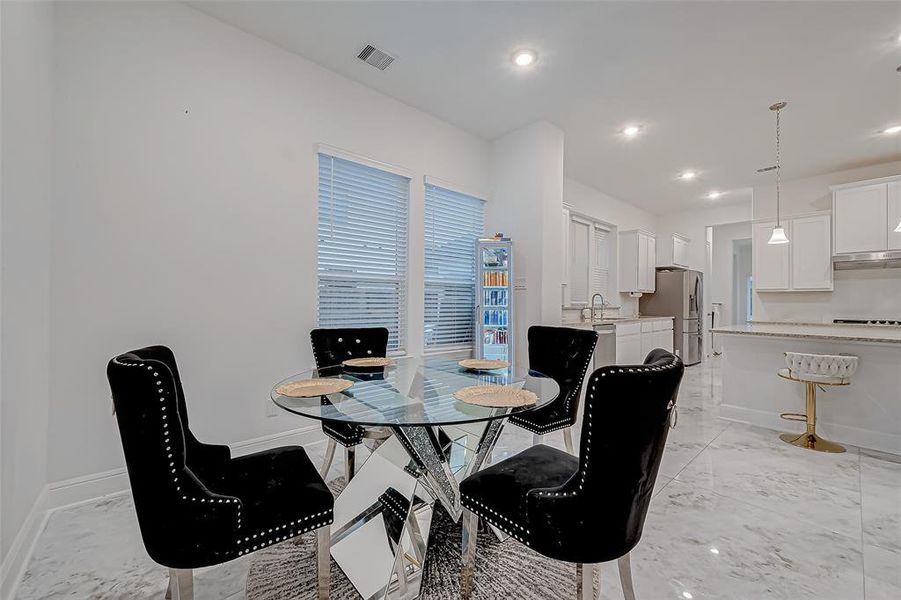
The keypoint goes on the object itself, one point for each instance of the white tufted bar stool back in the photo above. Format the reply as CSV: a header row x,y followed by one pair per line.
x,y
815,370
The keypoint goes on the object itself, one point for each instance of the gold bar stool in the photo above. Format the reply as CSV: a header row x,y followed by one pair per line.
x,y
815,370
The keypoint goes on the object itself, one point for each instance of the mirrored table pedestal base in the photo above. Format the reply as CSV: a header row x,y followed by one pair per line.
x,y
383,516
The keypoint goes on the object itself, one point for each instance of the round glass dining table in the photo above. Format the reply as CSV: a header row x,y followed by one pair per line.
x,y
383,514
412,392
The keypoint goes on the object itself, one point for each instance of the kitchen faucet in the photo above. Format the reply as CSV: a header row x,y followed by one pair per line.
x,y
603,304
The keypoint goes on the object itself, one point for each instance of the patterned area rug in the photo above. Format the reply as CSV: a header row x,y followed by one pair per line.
x,y
287,571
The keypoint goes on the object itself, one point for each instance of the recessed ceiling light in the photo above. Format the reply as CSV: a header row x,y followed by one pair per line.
x,y
631,131
714,551
524,58
714,195
892,130
687,175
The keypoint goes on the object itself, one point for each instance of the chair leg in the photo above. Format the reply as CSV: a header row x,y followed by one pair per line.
x,y
350,461
625,576
584,581
323,561
329,457
568,439
468,573
181,584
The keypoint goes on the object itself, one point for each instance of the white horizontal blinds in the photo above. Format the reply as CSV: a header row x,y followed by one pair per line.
x,y
453,223
601,266
580,253
362,247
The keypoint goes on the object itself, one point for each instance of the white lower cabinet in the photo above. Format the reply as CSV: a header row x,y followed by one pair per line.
x,y
635,340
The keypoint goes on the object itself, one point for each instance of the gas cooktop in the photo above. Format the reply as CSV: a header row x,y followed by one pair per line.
x,y
892,322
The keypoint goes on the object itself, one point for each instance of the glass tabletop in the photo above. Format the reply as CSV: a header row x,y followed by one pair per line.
x,y
412,392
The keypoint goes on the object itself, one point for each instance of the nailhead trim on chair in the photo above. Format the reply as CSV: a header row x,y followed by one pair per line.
x,y
293,530
167,446
520,421
510,527
589,421
394,506
293,527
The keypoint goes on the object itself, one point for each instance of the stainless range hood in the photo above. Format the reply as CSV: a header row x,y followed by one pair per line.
x,y
890,259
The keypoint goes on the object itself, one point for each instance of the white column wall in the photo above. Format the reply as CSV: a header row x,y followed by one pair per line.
x,y
526,205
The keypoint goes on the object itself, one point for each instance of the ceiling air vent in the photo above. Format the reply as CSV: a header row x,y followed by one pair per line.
x,y
375,57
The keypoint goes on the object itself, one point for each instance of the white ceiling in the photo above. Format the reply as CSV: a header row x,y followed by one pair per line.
x,y
698,76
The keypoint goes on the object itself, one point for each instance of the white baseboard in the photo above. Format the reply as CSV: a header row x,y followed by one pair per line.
x,y
80,490
843,434
15,561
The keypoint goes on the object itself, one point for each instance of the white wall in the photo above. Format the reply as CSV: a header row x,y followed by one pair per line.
x,y
863,294
693,223
186,211
526,204
27,36
593,203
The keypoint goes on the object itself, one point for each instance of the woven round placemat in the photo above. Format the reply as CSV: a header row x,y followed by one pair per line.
x,y
375,361
481,364
310,388
497,396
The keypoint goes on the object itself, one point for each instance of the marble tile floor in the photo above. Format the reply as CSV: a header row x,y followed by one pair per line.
x,y
737,515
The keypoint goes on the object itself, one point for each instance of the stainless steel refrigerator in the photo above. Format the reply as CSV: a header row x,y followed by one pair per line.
x,y
680,294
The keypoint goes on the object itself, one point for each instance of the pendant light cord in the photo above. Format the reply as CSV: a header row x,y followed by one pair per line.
x,y
778,167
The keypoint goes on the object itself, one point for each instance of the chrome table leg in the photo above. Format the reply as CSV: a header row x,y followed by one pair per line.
x,y
568,439
350,462
329,457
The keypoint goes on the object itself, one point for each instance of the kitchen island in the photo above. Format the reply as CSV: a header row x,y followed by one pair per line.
x,y
866,413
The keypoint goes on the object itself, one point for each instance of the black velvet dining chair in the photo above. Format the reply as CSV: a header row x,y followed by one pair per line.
x,y
331,347
196,505
564,354
591,508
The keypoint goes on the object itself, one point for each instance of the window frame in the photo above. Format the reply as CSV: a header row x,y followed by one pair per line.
x,y
401,279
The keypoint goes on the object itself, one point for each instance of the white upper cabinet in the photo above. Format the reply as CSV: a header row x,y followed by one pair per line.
x,y
672,251
894,215
811,253
771,261
861,218
802,265
637,261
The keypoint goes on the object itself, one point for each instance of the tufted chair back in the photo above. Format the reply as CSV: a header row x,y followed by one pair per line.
x,y
564,354
624,429
802,365
169,470
331,347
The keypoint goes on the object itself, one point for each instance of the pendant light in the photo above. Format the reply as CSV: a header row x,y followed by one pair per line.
x,y
778,236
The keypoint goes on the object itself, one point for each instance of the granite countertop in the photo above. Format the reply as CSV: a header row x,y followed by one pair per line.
x,y
885,334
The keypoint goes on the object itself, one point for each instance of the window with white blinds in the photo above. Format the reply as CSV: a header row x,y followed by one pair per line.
x,y
363,213
589,251
600,268
580,257
453,223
